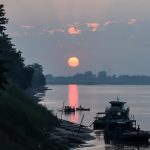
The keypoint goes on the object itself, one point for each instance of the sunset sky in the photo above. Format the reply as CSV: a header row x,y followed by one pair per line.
x,y
111,35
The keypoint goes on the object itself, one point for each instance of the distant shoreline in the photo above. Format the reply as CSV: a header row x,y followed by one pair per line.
x,y
89,84
88,78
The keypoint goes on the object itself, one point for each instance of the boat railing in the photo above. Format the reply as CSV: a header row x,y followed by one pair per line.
x,y
132,117
99,115
125,108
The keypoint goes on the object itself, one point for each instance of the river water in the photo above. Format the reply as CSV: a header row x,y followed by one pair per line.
x,y
97,97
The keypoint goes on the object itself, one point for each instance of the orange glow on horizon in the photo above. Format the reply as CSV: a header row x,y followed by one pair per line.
x,y
73,62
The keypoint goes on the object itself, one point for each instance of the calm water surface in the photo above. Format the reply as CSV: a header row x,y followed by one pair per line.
x,y
97,97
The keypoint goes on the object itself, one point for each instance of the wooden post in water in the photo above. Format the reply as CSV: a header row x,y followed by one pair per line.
x,y
80,125
62,110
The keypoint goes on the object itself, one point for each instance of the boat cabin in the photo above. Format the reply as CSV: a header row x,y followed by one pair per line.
x,y
117,104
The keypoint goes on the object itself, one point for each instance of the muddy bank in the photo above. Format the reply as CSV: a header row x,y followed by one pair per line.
x,y
69,135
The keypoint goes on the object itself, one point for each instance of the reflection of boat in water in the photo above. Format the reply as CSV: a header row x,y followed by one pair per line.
x,y
69,109
117,111
80,108
125,131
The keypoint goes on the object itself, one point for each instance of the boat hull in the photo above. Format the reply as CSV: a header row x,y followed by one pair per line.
x,y
135,136
83,109
99,124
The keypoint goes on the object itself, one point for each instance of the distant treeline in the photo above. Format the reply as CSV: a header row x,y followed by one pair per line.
x,y
101,78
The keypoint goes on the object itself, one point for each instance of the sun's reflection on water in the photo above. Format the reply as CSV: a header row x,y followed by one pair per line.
x,y
73,101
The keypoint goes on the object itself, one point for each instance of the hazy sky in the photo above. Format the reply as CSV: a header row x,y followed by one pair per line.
x,y
111,35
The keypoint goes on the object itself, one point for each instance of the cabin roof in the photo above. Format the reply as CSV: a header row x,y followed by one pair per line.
x,y
117,102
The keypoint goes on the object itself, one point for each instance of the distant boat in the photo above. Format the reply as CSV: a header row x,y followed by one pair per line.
x,y
80,108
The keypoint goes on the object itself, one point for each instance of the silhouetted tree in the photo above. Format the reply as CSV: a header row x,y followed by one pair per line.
x,y
3,62
102,75
3,20
3,71
38,77
89,75
18,72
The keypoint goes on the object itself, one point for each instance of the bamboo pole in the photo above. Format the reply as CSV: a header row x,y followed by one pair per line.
x,y
80,125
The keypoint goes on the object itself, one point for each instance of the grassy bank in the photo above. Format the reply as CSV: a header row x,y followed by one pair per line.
x,y
24,125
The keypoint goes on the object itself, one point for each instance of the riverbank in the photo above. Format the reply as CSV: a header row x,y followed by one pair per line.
x,y
37,92
69,135
66,135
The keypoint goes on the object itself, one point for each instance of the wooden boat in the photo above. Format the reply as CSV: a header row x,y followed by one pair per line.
x,y
80,108
69,109
117,111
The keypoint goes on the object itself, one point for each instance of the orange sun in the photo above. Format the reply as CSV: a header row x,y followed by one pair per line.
x,y
73,62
